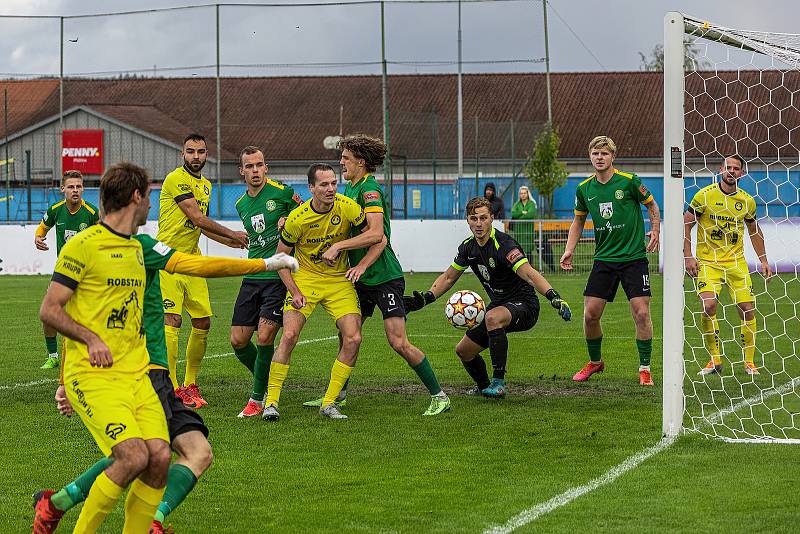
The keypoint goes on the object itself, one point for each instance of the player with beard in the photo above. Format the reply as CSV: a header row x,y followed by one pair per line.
x,y
183,216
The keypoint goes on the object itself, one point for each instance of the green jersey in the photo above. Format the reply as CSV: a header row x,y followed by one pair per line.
x,y
68,224
370,197
156,255
260,216
616,212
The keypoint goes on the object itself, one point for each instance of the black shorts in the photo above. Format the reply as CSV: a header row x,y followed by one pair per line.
x,y
606,277
388,297
180,418
524,315
259,299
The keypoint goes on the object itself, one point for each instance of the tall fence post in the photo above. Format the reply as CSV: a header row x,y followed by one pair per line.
x,y
433,160
28,179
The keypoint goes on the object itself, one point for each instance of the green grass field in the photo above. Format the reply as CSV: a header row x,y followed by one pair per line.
x,y
388,469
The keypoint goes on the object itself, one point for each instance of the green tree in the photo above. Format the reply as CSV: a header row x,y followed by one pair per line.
x,y
692,59
542,168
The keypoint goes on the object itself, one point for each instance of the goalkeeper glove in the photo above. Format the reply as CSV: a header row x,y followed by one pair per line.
x,y
560,304
417,300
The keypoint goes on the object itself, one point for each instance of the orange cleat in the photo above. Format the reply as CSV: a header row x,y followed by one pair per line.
x,y
710,368
46,516
187,398
588,370
645,378
252,409
751,369
194,391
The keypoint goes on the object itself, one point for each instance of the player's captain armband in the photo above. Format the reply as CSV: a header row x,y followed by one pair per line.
x,y
162,248
514,255
371,196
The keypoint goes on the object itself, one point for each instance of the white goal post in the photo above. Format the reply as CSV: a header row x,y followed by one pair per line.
x,y
739,93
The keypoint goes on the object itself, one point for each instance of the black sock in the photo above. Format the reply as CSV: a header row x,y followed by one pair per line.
x,y
476,368
498,350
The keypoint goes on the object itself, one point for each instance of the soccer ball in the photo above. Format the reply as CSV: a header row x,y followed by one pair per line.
x,y
465,309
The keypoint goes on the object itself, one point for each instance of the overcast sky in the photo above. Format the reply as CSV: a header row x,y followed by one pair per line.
x,y
498,36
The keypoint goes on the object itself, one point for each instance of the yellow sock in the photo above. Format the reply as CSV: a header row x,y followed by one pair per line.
x,y
339,375
171,334
749,340
277,375
195,350
101,500
140,507
711,337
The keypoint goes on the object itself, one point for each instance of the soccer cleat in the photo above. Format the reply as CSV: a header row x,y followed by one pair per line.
x,y
186,397
331,411
496,389
270,413
439,404
751,369
194,391
474,391
252,409
341,400
52,362
158,528
710,368
588,370
46,516
645,378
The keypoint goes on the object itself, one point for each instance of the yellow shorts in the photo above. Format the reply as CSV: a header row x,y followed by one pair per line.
x,y
116,408
183,291
337,296
712,276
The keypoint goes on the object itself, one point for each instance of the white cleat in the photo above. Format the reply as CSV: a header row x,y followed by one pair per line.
x,y
331,411
270,413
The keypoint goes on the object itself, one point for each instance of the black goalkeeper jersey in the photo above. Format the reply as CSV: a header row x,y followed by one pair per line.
x,y
495,264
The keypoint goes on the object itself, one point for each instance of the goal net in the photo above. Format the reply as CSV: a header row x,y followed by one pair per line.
x,y
727,92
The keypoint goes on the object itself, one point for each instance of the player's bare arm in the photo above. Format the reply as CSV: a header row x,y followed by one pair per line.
x,y
535,279
441,285
52,314
757,238
192,211
655,226
228,242
689,261
373,253
575,231
298,299
367,238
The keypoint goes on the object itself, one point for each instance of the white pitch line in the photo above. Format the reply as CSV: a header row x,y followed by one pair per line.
x,y
532,514
213,356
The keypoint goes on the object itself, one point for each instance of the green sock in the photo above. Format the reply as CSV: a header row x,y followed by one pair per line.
x,y
76,491
247,355
645,347
594,348
428,377
261,371
180,481
52,344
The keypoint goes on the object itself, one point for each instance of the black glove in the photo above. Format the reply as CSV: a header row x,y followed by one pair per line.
x,y
560,304
417,300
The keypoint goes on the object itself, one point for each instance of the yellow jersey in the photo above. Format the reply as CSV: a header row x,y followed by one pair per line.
x,y
311,233
174,227
106,272
721,218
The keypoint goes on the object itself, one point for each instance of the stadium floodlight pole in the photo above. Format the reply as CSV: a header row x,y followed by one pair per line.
x,y
387,163
547,66
60,100
672,242
219,131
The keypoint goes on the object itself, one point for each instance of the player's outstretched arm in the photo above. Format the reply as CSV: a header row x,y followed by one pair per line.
x,y
446,280
575,231
217,267
655,226
228,242
540,284
373,253
52,314
757,238
190,208
689,261
41,236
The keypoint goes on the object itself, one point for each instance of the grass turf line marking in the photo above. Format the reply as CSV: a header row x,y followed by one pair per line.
x,y
28,384
532,514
